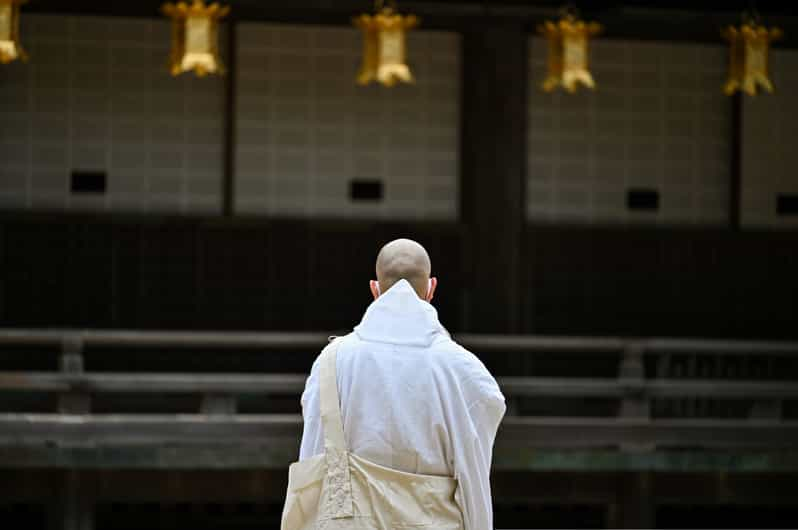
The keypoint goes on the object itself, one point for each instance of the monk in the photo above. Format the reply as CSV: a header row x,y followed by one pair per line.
x,y
400,420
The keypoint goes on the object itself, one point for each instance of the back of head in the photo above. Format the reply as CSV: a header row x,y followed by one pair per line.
x,y
404,259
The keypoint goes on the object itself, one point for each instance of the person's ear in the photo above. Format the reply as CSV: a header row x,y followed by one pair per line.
x,y
433,284
374,285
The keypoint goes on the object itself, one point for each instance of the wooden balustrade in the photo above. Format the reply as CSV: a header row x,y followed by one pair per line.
x,y
207,436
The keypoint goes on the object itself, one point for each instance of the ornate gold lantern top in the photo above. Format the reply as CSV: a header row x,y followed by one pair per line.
x,y
568,51
195,37
10,47
385,45
749,55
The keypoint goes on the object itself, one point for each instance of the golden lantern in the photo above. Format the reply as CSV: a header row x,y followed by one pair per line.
x,y
10,47
385,45
749,50
195,37
568,52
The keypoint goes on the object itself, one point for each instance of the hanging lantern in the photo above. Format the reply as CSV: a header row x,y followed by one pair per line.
x,y
195,37
384,45
10,47
749,50
568,52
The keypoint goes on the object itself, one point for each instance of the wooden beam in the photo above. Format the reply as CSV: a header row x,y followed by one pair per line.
x,y
515,432
493,173
140,383
294,384
687,461
715,389
175,339
262,456
659,21
230,79
532,344
146,429
522,432
736,161
541,343
719,347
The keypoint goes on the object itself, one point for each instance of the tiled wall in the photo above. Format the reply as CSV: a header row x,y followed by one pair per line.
x,y
96,96
770,146
657,121
305,130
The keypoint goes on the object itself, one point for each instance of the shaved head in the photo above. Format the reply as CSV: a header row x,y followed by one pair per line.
x,y
404,259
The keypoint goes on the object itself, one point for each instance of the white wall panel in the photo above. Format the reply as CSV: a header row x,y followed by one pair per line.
x,y
97,96
770,146
305,130
658,121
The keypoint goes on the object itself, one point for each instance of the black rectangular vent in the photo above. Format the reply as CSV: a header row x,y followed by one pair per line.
x,y
786,204
365,190
88,181
642,199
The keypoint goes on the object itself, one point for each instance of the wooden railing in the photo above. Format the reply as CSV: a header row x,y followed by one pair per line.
x,y
217,434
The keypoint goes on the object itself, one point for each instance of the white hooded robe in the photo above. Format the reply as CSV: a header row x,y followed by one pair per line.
x,y
413,400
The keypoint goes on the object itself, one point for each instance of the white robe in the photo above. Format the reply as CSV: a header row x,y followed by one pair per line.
x,y
413,400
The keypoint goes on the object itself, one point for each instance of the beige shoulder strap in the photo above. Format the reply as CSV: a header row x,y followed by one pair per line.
x,y
338,499
331,421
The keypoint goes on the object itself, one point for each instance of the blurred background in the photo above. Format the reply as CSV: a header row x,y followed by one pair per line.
x,y
174,252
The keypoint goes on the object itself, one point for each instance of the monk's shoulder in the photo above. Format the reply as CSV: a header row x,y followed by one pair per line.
x,y
467,367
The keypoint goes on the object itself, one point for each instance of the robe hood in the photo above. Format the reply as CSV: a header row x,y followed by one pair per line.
x,y
399,316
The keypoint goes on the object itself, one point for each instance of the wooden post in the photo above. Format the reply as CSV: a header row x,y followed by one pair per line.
x,y
635,403
735,188
74,401
635,505
493,174
73,509
228,178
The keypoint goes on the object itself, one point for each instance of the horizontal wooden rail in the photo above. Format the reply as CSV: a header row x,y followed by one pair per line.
x,y
721,389
143,383
612,388
643,433
216,435
541,344
255,456
506,343
174,339
520,433
154,383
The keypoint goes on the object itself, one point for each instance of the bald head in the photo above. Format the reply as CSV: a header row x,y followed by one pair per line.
x,y
404,259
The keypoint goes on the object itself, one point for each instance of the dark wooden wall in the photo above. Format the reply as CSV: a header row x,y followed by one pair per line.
x,y
116,272
661,281
201,274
